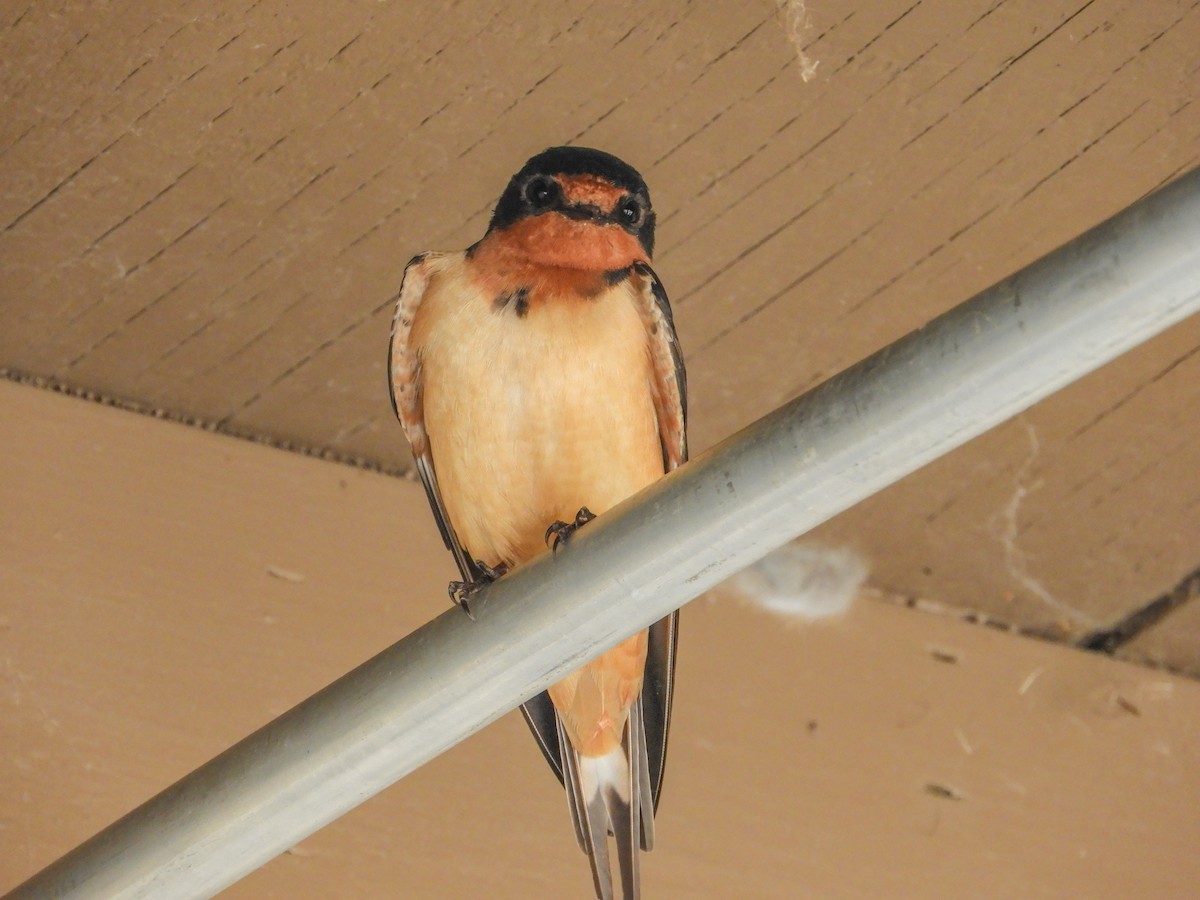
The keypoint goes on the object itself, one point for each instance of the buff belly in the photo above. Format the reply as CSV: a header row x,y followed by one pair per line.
x,y
531,417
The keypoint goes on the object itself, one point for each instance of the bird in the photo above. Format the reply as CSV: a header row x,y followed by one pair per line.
x,y
539,380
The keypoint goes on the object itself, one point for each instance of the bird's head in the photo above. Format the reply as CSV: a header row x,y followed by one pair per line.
x,y
576,208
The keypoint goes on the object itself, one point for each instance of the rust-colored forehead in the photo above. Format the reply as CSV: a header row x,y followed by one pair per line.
x,y
590,189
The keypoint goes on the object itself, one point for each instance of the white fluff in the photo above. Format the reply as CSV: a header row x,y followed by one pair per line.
x,y
803,580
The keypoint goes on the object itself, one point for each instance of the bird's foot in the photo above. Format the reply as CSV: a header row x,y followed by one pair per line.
x,y
461,592
561,531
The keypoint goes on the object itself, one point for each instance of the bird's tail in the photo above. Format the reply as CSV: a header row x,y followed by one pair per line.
x,y
611,795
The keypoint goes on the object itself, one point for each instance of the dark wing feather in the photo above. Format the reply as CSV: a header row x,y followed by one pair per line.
x,y
670,377
404,383
543,722
670,398
658,689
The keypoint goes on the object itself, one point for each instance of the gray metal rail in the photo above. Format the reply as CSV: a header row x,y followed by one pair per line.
x,y
979,364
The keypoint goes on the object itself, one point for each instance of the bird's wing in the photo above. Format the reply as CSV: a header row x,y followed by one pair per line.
x,y
670,379
404,382
670,400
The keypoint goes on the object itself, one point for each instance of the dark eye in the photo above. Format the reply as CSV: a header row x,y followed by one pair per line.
x,y
629,212
542,192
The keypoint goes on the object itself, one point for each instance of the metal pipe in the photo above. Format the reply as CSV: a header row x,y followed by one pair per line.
x,y
966,371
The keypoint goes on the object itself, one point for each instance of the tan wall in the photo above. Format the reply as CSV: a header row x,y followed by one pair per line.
x,y
166,590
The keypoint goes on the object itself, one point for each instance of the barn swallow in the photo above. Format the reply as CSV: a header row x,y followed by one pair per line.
x,y
538,377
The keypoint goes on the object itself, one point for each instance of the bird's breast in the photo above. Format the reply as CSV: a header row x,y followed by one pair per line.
x,y
534,411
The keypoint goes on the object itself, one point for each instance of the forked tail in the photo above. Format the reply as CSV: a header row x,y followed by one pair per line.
x,y
611,795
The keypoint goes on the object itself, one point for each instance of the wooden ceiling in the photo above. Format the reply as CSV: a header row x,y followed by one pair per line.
x,y
206,209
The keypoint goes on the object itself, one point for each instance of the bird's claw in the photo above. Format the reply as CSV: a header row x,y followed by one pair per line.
x,y
561,531
461,592
460,595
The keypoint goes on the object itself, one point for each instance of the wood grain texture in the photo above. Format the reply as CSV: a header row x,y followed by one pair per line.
x,y
208,209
